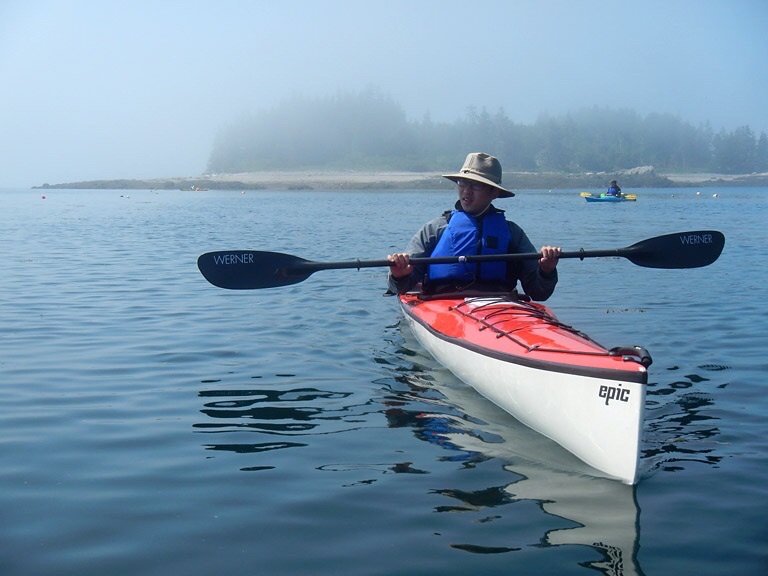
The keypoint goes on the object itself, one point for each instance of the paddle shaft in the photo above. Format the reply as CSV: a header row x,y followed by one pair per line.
x,y
309,266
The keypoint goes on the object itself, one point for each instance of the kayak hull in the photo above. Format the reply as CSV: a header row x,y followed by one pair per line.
x,y
550,377
609,199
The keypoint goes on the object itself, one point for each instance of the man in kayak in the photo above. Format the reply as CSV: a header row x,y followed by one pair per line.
x,y
613,189
475,226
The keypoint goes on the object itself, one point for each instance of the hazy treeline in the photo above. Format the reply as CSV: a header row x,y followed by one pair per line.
x,y
370,130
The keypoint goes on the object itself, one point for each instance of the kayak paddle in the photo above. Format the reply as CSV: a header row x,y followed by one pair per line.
x,y
252,269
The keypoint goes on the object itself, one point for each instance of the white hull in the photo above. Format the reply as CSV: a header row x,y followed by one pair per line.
x,y
596,419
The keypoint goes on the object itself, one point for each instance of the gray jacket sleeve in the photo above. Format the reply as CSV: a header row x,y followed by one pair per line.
x,y
535,283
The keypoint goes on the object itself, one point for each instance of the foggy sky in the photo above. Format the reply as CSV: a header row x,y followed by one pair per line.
x,y
139,88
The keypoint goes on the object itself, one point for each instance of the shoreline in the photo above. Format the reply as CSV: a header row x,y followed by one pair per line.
x,y
643,177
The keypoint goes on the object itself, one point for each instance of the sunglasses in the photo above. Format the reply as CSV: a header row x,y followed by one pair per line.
x,y
476,187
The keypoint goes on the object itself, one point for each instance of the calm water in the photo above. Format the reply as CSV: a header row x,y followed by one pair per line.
x,y
154,424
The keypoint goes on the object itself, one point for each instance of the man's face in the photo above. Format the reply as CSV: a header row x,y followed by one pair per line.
x,y
475,197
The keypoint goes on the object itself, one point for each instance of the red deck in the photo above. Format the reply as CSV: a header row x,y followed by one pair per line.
x,y
521,332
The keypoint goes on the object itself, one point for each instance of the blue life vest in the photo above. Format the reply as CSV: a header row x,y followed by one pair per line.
x,y
462,237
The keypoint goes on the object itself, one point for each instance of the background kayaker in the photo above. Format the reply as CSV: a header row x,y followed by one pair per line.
x,y
474,217
613,189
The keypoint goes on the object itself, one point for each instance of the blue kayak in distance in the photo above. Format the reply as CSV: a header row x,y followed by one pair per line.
x,y
589,197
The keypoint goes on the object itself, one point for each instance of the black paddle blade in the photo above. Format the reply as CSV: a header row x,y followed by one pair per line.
x,y
680,250
249,269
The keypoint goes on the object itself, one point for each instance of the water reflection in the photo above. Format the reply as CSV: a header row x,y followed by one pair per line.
x,y
434,428
276,411
293,410
679,424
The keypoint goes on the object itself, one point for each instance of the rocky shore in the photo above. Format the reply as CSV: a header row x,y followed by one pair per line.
x,y
641,177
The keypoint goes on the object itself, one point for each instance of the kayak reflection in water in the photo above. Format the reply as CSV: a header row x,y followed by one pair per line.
x,y
474,226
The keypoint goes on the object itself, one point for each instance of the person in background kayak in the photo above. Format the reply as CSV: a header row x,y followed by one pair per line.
x,y
613,189
475,226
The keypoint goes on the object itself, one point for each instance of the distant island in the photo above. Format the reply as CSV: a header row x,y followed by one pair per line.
x,y
364,141
641,177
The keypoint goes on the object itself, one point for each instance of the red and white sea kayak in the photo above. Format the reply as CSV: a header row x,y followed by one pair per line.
x,y
548,375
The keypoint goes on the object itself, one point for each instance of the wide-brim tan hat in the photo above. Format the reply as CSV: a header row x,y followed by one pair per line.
x,y
482,167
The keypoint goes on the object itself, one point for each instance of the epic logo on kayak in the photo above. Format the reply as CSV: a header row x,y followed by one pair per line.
x,y
227,259
696,239
613,393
